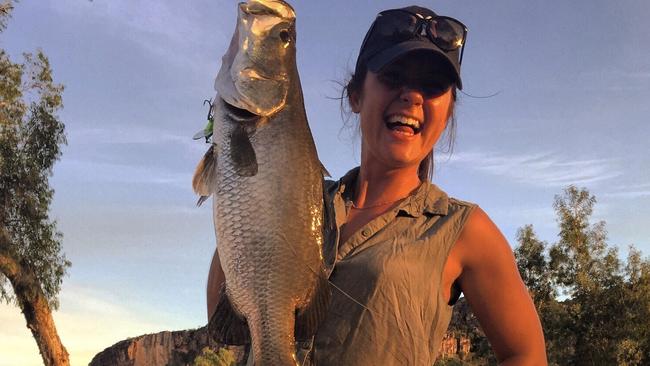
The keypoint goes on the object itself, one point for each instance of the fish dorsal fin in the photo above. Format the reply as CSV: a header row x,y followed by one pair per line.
x,y
324,170
205,175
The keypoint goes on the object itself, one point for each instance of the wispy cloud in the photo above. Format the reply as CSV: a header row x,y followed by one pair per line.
x,y
542,169
630,191
88,321
133,134
91,171
634,74
171,31
615,79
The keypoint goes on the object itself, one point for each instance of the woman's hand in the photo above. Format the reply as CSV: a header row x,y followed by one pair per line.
x,y
497,295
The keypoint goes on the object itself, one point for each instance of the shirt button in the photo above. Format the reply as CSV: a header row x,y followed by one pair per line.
x,y
365,232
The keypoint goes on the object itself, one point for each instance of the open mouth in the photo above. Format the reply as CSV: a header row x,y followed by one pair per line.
x,y
239,114
402,124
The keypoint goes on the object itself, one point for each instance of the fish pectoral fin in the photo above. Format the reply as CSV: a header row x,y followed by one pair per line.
x,y
242,152
205,175
226,325
309,318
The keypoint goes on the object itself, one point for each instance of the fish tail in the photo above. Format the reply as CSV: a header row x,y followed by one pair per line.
x,y
272,339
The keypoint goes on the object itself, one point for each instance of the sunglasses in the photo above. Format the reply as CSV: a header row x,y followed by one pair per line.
x,y
399,25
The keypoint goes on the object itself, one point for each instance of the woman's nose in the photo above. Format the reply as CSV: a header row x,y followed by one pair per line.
x,y
411,96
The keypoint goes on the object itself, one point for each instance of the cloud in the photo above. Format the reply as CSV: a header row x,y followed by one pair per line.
x,y
635,74
172,31
542,169
122,173
614,80
630,191
150,142
88,321
133,134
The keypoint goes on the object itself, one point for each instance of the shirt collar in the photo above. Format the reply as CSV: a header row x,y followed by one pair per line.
x,y
346,183
427,198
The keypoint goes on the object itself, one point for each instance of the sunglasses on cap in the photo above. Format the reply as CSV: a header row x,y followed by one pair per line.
x,y
401,25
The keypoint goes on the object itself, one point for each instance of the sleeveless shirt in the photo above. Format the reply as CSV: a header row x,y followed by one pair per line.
x,y
387,304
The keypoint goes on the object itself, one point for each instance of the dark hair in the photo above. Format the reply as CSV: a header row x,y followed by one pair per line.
x,y
425,171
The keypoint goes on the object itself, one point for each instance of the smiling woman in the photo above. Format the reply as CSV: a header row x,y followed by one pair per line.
x,y
414,100
406,250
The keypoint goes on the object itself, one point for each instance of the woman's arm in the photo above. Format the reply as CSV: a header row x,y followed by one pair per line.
x,y
497,295
215,279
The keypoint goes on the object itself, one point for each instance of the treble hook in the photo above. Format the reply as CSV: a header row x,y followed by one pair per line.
x,y
207,131
209,101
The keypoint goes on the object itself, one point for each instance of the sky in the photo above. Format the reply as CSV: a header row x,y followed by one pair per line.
x,y
555,93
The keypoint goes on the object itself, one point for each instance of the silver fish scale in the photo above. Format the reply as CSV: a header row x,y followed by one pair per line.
x,y
269,229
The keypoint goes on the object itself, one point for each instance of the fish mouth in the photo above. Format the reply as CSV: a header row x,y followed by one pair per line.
x,y
239,114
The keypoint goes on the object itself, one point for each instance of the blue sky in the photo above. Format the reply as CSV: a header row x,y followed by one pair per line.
x,y
572,82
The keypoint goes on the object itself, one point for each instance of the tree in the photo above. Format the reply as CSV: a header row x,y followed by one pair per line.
x,y
30,245
208,357
604,316
533,266
636,345
535,270
589,273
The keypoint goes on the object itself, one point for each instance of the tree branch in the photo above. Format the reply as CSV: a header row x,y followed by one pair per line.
x,y
33,304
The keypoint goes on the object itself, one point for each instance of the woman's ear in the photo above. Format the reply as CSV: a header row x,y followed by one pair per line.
x,y
355,102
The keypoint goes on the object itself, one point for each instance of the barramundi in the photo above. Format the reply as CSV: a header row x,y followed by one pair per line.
x,y
267,182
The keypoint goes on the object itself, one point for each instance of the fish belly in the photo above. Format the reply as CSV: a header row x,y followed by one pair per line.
x,y
269,235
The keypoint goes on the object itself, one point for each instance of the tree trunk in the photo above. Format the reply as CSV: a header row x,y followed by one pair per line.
x,y
34,306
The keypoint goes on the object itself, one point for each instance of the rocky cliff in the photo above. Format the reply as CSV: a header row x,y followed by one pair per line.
x,y
178,348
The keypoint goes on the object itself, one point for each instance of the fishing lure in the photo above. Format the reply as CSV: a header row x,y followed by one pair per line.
x,y
207,131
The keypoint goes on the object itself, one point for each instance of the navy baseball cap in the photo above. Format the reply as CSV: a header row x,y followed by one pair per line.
x,y
397,32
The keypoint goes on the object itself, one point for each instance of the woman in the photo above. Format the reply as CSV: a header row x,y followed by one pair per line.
x,y
404,246
405,249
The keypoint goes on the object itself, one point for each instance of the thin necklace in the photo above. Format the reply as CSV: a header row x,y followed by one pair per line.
x,y
376,204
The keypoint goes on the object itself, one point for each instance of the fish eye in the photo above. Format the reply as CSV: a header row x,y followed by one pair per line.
x,y
285,36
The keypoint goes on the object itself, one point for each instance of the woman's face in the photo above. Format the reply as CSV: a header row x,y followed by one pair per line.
x,y
403,111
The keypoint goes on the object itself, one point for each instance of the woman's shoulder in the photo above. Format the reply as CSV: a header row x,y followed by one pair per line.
x,y
480,239
438,201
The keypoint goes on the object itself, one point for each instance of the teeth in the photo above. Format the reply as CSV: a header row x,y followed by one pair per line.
x,y
396,118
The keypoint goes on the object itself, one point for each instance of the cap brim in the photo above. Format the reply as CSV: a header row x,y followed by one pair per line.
x,y
387,56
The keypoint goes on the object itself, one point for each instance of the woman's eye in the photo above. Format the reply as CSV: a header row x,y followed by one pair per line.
x,y
391,80
434,90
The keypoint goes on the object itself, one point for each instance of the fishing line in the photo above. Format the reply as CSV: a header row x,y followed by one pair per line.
x,y
319,275
363,331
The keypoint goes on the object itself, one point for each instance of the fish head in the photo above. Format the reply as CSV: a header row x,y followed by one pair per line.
x,y
256,70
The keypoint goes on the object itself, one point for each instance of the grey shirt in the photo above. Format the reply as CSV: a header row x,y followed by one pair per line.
x,y
387,305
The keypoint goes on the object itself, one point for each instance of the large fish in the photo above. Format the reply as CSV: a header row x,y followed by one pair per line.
x,y
267,183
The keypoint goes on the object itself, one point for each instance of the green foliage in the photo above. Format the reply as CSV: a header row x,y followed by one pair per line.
x,y
533,266
594,308
604,316
629,353
449,362
208,357
5,13
31,136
